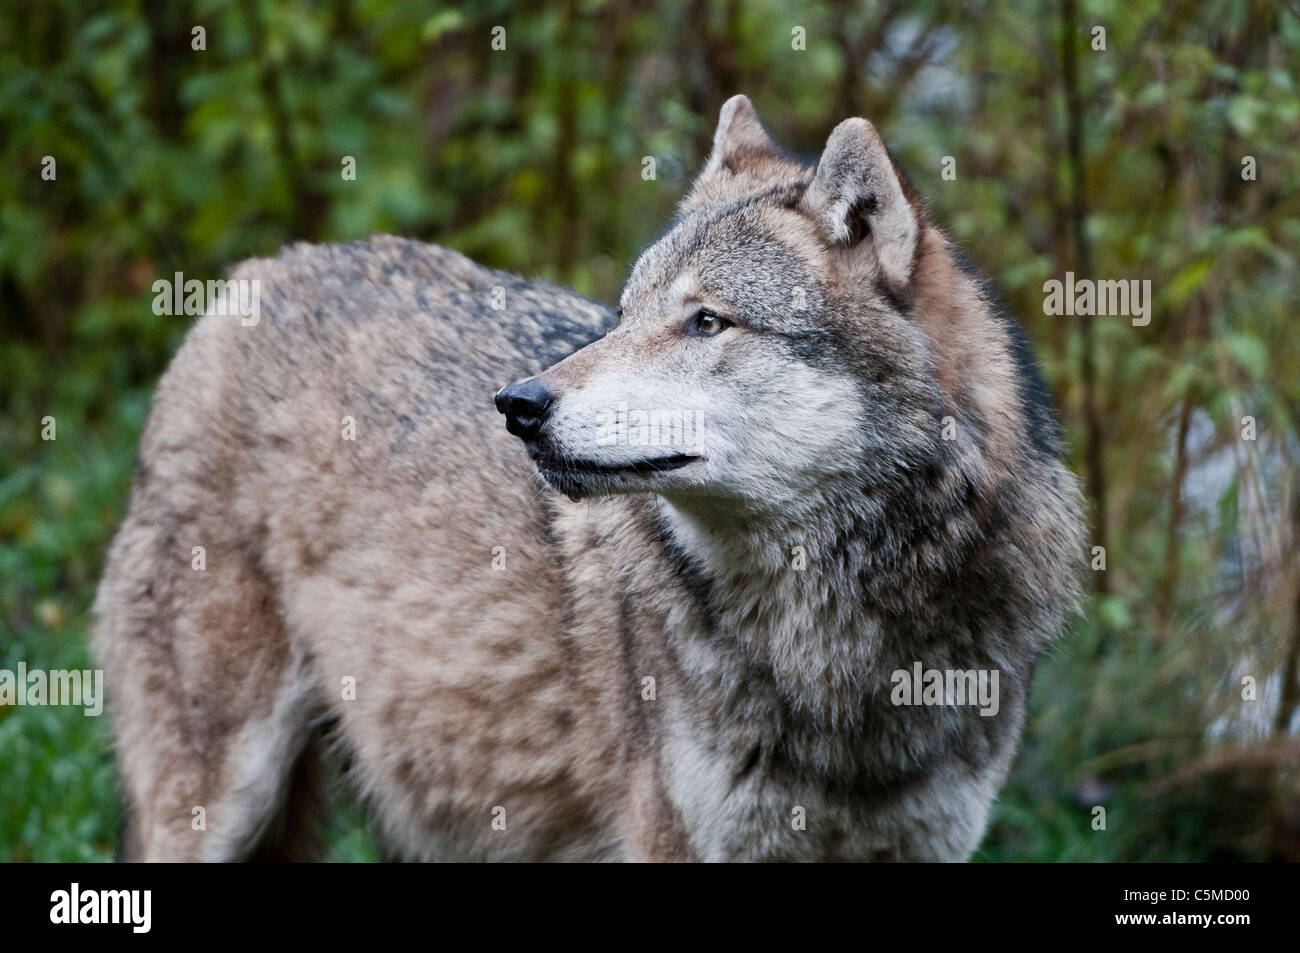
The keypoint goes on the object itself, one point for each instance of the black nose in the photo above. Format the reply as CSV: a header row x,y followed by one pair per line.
x,y
526,405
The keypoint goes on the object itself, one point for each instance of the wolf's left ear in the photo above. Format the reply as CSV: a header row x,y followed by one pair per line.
x,y
857,197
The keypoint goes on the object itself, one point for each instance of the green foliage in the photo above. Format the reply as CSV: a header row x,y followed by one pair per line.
x,y
175,159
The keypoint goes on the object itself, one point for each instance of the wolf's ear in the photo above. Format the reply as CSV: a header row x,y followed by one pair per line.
x,y
739,137
743,157
857,197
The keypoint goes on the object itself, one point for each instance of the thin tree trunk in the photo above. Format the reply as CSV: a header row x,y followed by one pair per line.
x,y
1289,703
1169,581
309,206
565,196
1094,470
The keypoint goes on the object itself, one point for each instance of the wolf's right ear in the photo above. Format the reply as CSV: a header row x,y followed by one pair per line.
x,y
739,136
857,197
743,153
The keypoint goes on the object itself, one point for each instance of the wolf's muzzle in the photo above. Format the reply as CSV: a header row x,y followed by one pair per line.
x,y
526,404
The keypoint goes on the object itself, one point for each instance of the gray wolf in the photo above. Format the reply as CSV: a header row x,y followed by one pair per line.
x,y
563,638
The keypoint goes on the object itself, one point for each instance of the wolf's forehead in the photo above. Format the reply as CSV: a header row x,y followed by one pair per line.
x,y
738,252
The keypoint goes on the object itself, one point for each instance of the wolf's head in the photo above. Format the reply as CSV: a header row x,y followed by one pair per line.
x,y
770,343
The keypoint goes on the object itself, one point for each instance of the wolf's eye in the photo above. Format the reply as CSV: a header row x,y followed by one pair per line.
x,y
706,324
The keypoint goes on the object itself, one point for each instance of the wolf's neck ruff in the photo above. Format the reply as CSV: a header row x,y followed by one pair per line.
x,y
827,601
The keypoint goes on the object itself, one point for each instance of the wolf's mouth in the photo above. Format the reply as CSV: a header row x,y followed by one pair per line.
x,y
652,465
